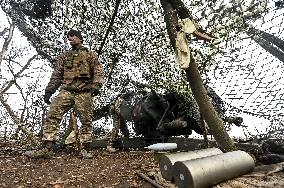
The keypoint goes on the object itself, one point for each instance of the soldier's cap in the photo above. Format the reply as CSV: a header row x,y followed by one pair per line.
x,y
73,32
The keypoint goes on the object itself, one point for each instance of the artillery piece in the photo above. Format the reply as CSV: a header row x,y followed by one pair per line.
x,y
158,117
166,115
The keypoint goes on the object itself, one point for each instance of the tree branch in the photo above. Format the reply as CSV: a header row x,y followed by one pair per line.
x,y
11,82
16,120
7,42
117,2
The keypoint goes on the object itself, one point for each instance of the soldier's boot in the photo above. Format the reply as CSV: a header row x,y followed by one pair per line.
x,y
110,148
85,151
44,151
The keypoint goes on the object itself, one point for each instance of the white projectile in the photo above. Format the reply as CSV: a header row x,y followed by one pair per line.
x,y
162,146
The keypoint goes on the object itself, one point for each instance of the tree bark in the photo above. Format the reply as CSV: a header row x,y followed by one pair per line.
x,y
171,20
206,108
215,124
117,2
268,37
268,42
269,48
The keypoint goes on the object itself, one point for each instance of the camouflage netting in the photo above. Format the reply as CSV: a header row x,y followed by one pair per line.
x,y
243,66
250,79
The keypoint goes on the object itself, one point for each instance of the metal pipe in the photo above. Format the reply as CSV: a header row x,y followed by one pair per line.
x,y
207,171
167,161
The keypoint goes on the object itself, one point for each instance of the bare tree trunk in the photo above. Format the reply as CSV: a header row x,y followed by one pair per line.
x,y
6,43
18,18
269,48
171,20
268,37
17,121
267,42
215,124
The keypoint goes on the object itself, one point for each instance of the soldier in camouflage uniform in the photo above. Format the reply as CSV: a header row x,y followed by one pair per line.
x,y
80,76
118,123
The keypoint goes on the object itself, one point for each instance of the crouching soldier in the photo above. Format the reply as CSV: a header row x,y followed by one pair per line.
x,y
80,76
118,123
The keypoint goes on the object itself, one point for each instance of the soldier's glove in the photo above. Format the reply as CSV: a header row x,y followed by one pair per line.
x,y
46,97
96,90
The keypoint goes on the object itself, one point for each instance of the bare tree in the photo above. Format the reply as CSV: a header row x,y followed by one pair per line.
x,y
8,58
6,41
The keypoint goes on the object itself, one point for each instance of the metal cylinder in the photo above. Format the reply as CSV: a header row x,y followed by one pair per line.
x,y
207,171
167,161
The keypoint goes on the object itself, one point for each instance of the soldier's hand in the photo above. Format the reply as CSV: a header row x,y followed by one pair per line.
x,y
46,97
96,90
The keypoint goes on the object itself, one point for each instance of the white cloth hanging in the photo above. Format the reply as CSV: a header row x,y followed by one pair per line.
x,y
182,46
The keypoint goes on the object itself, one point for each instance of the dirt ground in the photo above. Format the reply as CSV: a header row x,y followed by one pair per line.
x,y
66,170
104,170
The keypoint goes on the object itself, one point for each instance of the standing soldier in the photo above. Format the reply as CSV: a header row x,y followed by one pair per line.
x,y
80,76
118,123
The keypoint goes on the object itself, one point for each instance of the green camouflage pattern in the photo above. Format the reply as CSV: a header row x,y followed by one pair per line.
x,y
74,80
82,102
77,72
40,153
115,129
77,66
118,121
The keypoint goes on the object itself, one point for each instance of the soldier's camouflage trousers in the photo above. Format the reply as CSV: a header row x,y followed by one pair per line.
x,y
118,123
82,102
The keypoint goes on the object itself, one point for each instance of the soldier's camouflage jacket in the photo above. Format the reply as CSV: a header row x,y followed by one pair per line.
x,y
76,70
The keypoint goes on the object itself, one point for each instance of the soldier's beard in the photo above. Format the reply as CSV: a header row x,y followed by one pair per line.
x,y
75,46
